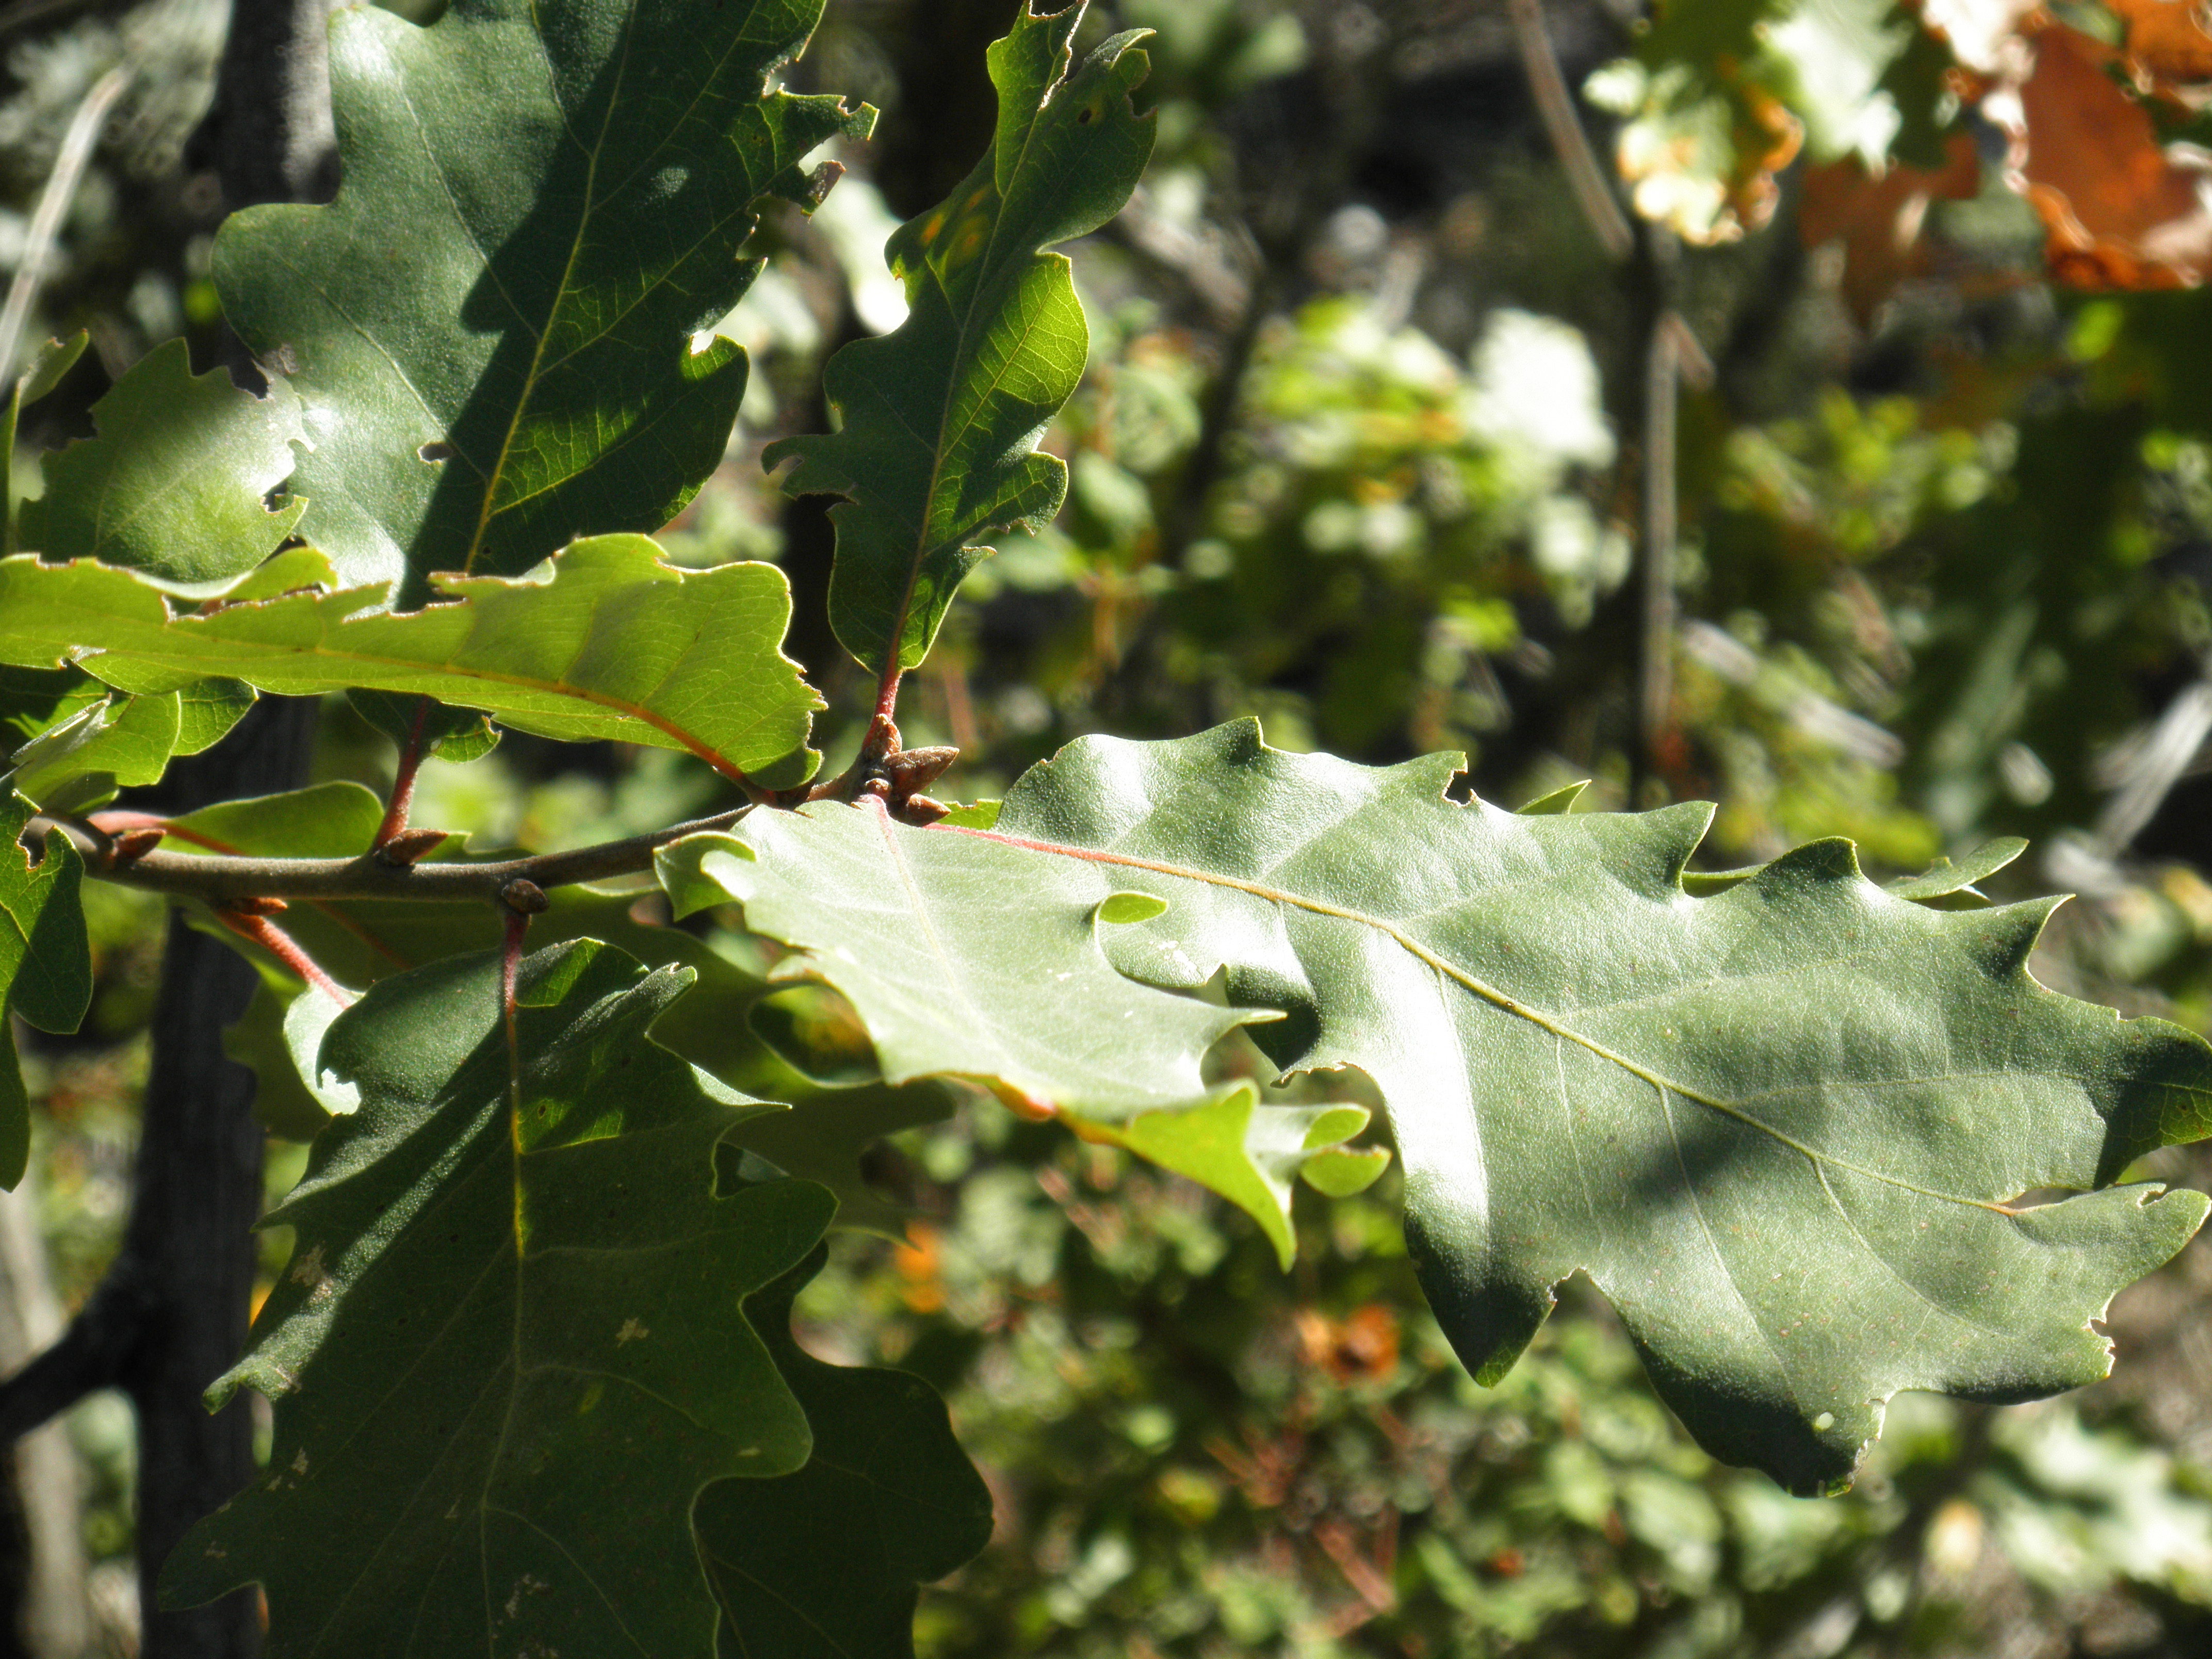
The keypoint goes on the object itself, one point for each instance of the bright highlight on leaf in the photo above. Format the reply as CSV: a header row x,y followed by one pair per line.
x,y
969,959
605,641
490,327
508,1349
938,420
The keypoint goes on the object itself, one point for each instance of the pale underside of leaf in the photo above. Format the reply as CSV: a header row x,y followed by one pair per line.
x,y
957,973
1780,1126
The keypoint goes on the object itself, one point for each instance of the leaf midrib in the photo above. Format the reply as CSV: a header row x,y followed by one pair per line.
x,y
1504,1001
987,284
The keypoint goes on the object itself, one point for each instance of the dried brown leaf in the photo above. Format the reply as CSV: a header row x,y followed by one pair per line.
x,y
1879,220
2120,211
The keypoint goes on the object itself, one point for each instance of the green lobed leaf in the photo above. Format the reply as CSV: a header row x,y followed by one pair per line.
x,y
1783,1128
490,327
823,1563
34,700
260,1039
1946,881
937,421
206,709
361,941
45,964
82,742
172,485
509,1347
970,960
604,641
43,373
80,762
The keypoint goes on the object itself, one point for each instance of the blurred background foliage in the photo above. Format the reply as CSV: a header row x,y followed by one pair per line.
x,y
1375,443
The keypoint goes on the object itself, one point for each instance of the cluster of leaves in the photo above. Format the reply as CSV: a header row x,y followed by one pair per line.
x,y
1781,1118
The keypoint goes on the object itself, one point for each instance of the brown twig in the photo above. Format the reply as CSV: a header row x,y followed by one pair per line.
x,y
220,880
402,799
1654,690
1555,108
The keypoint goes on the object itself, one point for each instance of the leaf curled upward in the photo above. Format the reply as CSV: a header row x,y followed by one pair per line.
x,y
938,420
489,328
606,639
509,1348
1783,1127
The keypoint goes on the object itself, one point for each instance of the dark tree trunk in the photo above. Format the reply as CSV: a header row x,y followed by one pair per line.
x,y
268,135
189,1248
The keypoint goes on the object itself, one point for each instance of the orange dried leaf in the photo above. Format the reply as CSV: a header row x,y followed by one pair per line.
x,y
1361,1347
2169,46
2119,210
1879,220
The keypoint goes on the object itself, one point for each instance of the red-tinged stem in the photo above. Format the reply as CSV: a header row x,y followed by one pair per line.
x,y
403,781
219,880
115,823
282,946
887,691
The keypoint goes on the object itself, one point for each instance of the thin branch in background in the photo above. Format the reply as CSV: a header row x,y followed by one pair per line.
x,y
959,704
1654,688
1215,263
53,206
1672,354
2154,767
1692,361
1555,106
1817,717
94,1353
24,14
